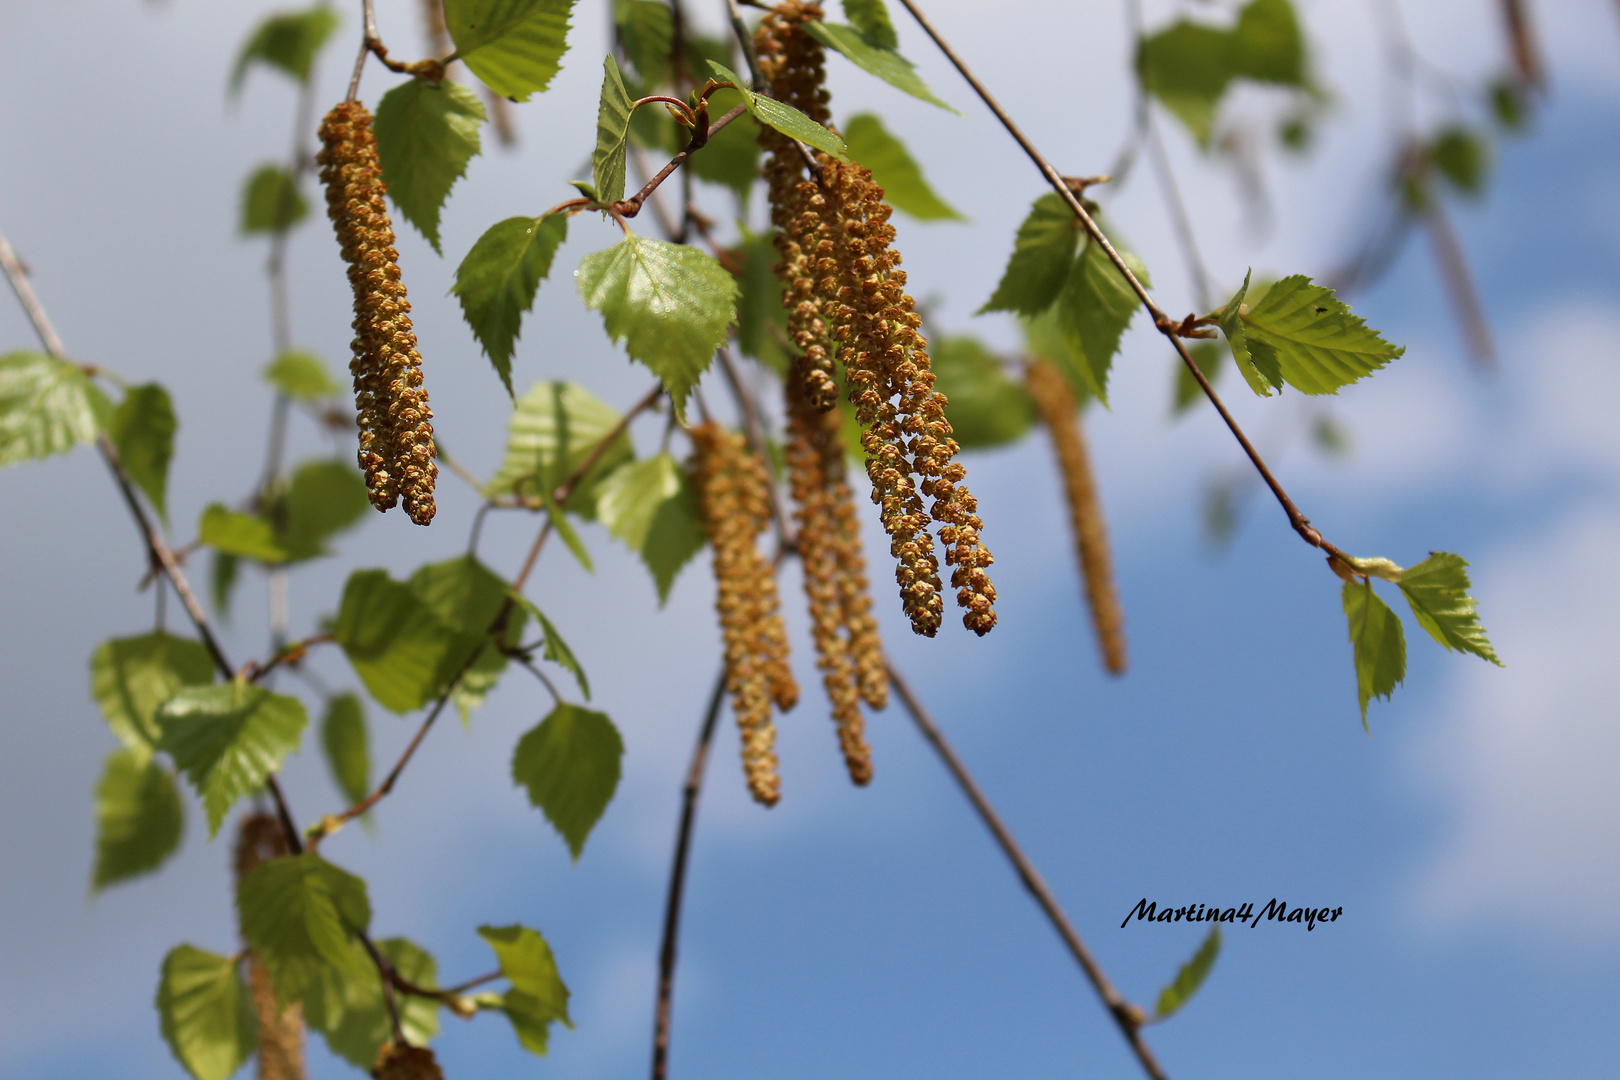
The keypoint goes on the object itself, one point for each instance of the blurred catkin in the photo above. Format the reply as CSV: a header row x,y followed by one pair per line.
x,y
281,1031
1056,405
735,505
401,1061
396,433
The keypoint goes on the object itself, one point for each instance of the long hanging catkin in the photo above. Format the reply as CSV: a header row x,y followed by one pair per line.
x,y
734,503
1056,404
281,1031
396,433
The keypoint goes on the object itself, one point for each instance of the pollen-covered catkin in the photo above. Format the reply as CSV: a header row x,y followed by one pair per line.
x,y
391,406
734,503
401,1061
281,1030
1056,405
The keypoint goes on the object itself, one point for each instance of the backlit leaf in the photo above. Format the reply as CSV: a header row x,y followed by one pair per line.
x,y
1317,343
287,41
300,913
538,996
358,1027
570,766
874,58
426,135
322,499
871,19
271,201
515,46
1094,309
1437,589
554,429
782,116
670,304
894,170
227,738
1266,45
1043,253
300,374
47,406
139,818
142,428
1259,367
1187,66
497,281
1190,977
612,131
344,741
205,1013
394,642
647,32
240,534
985,408
650,506
131,677
1379,644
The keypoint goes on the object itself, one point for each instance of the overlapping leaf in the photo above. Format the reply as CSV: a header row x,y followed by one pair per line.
x,y
205,1013
650,506
515,46
904,187
139,818
1379,644
1259,367
731,156
1094,310
142,427
570,766
345,743
271,202
537,997
1301,334
227,738
1043,253
612,133
354,1017
781,116
300,914
986,408
554,430
426,135
1437,589
47,406
395,643
496,282
130,678
875,58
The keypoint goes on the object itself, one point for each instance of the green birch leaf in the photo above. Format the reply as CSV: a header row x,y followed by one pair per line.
x,y
47,406
345,743
731,156
1437,589
397,646
870,18
894,170
142,428
240,534
651,507
570,766
322,499
565,529
1187,66
497,281
358,1028
612,132
515,46
1379,644
222,570
1259,367
538,996
874,59
1094,309
227,738
466,595
300,374
130,678
554,429
139,818
1043,253
299,914
647,32
1044,340
1210,359
782,116
555,648
985,408
1462,157
1266,45
426,135
1318,344
670,304
287,41
271,201
1190,977
205,1013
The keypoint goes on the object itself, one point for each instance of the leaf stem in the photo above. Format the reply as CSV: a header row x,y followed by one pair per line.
x,y
632,206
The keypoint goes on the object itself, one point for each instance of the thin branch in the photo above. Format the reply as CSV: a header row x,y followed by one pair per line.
x,y
746,41
386,973
534,669
677,880
632,206
1166,325
1180,220
1128,1017
1448,253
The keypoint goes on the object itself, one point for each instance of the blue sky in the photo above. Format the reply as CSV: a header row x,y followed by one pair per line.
x,y
1471,840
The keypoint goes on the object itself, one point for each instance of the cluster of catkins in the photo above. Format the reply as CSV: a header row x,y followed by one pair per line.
x,y
281,1030
396,434
846,299
734,501
1055,402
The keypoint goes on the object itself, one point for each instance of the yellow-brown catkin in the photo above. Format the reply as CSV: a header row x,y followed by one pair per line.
x,y
1050,392
281,1031
735,505
396,433
400,1061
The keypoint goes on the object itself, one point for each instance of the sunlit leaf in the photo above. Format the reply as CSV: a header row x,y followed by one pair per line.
x,y
612,132
344,741
139,818
1437,589
240,534
300,374
570,766
47,406
1379,644
647,32
650,506
895,171
205,1013
287,41
131,677
1094,310
497,281
1317,344
300,914
538,996
1190,977
142,428
874,58
395,643
871,19
782,116
554,430
515,46
426,135
1043,253
271,201
227,738
357,1029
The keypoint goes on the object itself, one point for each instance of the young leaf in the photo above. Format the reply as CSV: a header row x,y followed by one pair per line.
x,y
1209,358
647,32
874,58
322,499
205,1013
300,374
357,1030
139,818
1094,309
612,131
426,134
538,996
1042,254
394,642
344,739
1437,589
650,506
1259,367
515,46
556,649
131,677
299,914
271,202
871,19
1187,66
47,406
287,41
240,534
559,521
1379,643
497,281
1266,44
570,766
1190,977
1317,343
1462,157
986,408
893,168
142,428
781,116
669,303
554,429
227,738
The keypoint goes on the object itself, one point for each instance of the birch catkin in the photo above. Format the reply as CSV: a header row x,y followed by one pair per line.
x,y
396,433
401,1061
281,1031
734,503
1056,405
